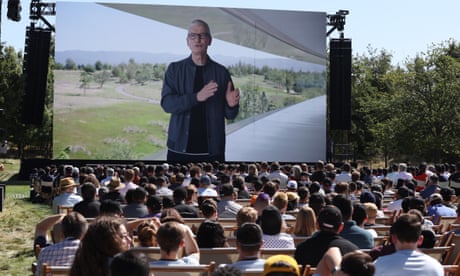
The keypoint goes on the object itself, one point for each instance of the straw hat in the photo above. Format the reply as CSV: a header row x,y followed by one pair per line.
x,y
115,184
67,183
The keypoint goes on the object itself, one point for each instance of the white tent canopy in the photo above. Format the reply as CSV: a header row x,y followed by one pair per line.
x,y
296,35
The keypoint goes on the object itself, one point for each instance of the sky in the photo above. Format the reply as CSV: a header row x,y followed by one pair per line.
x,y
403,28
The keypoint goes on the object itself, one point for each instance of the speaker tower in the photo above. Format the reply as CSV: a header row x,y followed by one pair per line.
x,y
340,84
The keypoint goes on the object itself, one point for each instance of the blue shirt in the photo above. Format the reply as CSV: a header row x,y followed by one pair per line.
x,y
441,210
357,235
408,262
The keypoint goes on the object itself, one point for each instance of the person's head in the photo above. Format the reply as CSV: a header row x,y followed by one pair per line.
x,y
317,201
210,234
170,236
303,193
154,204
88,191
435,199
139,195
330,219
359,214
74,225
249,237
209,208
280,200
147,233
406,229
270,188
110,208
270,220
179,195
367,196
171,214
246,214
356,263
67,185
345,206
262,201
129,263
371,210
105,237
199,37
281,265
227,191
305,224
447,194
129,175
342,188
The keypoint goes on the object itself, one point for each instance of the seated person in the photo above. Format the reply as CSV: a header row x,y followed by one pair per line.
x,y
211,234
355,263
73,226
272,224
67,197
209,209
128,263
89,207
248,244
171,239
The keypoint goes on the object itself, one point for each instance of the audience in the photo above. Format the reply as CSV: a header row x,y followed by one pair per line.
x,y
335,232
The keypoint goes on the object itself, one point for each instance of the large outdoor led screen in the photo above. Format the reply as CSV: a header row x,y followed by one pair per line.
x,y
111,59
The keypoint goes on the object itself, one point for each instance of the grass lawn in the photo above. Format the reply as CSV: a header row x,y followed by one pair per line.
x,y
18,220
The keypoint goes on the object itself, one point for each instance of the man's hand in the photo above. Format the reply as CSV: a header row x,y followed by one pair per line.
x,y
207,91
232,96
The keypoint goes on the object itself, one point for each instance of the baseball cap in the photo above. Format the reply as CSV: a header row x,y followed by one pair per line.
x,y
292,184
204,179
281,263
330,217
367,196
249,234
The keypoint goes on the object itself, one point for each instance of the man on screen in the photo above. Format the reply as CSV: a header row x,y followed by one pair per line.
x,y
199,94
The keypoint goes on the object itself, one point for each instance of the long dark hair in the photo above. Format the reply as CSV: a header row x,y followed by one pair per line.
x,y
100,243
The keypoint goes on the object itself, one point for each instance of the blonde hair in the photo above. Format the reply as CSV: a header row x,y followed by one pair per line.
x,y
371,209
246,214
305,224
280,200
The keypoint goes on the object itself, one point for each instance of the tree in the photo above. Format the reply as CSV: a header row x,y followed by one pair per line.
x,y
85,79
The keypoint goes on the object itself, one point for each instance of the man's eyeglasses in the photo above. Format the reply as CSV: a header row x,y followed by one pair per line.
x,y
195,36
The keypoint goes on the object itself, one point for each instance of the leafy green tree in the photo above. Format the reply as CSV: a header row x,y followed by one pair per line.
x,y
101,77
85,79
